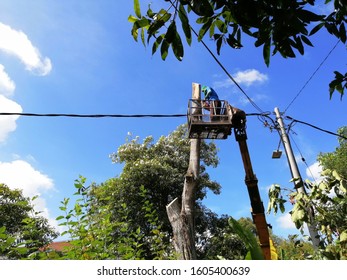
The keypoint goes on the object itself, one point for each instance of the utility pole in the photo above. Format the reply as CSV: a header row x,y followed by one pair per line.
x,y
299,186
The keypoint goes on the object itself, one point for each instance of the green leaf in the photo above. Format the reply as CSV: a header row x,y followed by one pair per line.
x,y
306,40
177,47
164,49
171,32
336,175
212,29
201,7
343,237
219,44
204,29
234,43
248,256
316,28
298,216
143,36
142,23
185,24
299,46
159,23
248,238
157,43
150,12
309,16
266,52
343,186
137,8
342,33
132,19
221,26
282,207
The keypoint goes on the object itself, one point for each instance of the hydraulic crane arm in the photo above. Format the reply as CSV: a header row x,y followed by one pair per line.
x,y
219,126
258,213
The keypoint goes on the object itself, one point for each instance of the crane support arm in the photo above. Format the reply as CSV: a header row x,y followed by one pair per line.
x,y
258,213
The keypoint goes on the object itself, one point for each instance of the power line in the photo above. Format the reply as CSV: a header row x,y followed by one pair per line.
x,y
229,75
316,127
311,77
223,68
95,115
261,115
302,157
104,115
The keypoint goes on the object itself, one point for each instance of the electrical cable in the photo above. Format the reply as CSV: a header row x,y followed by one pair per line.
x,y
316,127
229,75
261,115
223,68
94,115
301,155
311,77
104,115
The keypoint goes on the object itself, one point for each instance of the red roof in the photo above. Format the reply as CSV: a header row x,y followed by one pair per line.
x,y
57,246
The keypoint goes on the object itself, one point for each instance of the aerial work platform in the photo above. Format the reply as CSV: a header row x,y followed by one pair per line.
x,y
212,121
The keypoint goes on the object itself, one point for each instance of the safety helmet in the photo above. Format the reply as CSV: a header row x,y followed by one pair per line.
x,y
205,91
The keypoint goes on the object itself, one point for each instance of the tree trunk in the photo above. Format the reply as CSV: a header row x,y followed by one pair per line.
x,y
181,211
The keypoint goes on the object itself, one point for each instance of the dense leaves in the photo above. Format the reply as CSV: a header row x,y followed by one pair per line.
x,y
282,27
127,216
22,230
327,199
160,168
96,234
336,160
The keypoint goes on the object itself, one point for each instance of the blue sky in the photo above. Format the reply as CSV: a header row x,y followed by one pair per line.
x,y
79,57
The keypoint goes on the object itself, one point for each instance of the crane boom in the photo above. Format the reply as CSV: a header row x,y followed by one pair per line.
x,y
219,126
258,213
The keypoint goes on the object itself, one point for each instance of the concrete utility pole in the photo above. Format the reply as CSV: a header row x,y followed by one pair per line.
x,y
299,186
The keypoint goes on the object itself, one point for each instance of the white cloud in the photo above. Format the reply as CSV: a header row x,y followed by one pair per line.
x,y
314,172
18,44
7,86
8,123
20,174
250,77
247,77
285,222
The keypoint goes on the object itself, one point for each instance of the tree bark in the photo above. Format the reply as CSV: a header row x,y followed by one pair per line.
x,y
181,212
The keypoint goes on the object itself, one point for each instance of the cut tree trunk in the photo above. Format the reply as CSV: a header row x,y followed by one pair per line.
x,y
181,211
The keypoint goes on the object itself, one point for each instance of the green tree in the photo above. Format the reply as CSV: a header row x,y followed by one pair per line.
x,y
220,241
336,160
295,249
328,199
96,235
282,27
125,217
23,230
160,168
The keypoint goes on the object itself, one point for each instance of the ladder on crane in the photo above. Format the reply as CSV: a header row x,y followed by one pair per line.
x,y
218,124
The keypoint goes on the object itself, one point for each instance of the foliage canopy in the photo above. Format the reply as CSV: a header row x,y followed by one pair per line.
x,y
22,230
282,27
327,198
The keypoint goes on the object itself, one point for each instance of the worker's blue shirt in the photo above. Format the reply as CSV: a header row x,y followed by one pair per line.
x,y
211,94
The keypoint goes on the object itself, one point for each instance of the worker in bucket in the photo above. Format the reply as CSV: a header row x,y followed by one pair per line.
x,y
211,102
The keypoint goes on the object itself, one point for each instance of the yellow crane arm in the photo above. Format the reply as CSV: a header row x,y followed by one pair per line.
x,y
258,212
